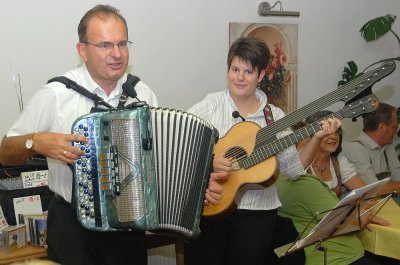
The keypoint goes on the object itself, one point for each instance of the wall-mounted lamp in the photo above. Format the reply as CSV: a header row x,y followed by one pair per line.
x,y
264,9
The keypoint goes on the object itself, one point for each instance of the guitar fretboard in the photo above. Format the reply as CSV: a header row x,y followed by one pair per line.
x,y
344,93
260,154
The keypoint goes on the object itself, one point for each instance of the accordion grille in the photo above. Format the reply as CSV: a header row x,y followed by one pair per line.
x,y
125,137
180,161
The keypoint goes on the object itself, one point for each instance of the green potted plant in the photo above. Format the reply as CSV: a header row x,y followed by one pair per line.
x,y
370,31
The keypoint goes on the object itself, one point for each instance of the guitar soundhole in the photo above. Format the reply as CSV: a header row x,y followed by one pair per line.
x,y
235,152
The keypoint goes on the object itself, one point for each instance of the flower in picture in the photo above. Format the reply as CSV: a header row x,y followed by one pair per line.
x,y
276,77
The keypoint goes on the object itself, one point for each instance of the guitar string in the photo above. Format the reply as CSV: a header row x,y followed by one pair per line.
x,y
361,79
324,101
320,104
263,133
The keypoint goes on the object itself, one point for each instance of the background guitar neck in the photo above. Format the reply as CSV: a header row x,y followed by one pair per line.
x,y
344,93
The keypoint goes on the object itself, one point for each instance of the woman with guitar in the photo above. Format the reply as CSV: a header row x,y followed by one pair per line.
x,y
245,235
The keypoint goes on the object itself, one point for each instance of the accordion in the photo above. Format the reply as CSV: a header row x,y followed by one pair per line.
x,y
143,169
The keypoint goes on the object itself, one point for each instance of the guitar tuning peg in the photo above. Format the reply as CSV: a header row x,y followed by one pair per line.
x,y
354,119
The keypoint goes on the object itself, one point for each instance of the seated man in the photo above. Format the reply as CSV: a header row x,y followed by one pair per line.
x,y
372,152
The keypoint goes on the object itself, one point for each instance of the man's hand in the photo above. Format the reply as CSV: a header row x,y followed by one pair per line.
x,y
58,146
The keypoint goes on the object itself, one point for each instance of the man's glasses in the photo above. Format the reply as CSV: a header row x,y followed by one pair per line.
x,y
108,46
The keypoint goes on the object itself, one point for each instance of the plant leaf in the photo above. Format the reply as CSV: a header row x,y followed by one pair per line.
x,y
349,73
377,27
353,67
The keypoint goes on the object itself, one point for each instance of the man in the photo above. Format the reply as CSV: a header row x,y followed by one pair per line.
x,y
44,128
372,152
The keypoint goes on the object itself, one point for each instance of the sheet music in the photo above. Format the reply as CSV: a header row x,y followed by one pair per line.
x,y
341,219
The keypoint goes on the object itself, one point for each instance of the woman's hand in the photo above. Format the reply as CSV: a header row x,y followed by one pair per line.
x,y
221,167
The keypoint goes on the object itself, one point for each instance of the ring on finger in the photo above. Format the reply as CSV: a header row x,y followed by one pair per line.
x,y
65,152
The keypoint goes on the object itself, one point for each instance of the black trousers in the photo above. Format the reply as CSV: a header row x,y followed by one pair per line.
x,y
244,237
71,244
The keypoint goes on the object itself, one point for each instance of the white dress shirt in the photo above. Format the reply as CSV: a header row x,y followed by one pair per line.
x,y
217,109
54,108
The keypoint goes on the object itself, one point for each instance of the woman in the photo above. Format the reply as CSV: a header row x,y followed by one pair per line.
x,y
304,199
329,165
246,236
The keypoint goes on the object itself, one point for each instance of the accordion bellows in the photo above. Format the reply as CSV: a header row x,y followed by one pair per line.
x,y
143,169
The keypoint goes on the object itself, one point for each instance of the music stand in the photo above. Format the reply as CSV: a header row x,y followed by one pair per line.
x,y
344,218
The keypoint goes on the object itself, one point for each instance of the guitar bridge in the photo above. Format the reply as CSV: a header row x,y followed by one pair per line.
x,y
235,165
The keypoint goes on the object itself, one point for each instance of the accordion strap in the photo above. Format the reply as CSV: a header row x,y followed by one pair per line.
x,y
128,90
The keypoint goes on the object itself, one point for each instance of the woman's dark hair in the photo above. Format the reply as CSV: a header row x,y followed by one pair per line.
x,y
321,115
252,50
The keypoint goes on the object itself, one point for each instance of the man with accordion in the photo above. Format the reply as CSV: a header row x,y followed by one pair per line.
x,y
44,128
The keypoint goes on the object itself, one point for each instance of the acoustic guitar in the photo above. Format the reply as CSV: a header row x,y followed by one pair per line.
x,y
253,148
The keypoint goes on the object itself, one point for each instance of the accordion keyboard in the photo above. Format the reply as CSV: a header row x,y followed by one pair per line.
x,y
86,168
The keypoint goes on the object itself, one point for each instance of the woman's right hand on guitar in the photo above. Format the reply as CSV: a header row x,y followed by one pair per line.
x,y
222,164
221,168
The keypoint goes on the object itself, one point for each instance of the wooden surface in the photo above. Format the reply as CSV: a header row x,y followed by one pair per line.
x,y
153,241
27,252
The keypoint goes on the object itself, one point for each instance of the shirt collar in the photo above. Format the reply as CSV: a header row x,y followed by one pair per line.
x,y
93,87
369,141
260,95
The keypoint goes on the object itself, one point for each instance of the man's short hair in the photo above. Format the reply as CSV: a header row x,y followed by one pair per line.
x,y
101,11
382,114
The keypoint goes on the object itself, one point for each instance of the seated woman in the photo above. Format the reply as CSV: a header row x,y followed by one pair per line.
x,y
310,194
329,165
301,200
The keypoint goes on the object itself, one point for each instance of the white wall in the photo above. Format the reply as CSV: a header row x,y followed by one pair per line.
x,y
180,46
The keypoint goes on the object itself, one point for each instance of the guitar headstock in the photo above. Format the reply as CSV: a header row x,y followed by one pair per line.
x,y
366,80
361,106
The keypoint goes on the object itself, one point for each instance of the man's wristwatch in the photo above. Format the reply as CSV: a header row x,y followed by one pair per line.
x,y
29,143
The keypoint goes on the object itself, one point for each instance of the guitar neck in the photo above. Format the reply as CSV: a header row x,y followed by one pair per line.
x,y
260,154
344,93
